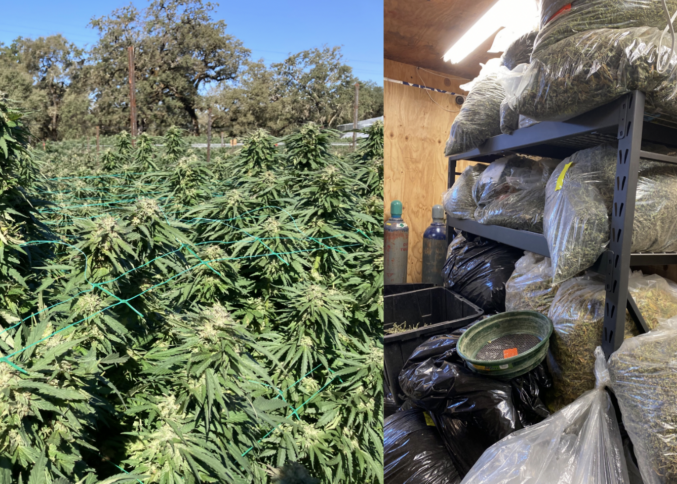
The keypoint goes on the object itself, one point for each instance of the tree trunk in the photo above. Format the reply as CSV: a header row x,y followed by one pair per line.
x,y
193,116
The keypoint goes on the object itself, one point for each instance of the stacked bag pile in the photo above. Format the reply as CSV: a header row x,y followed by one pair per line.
x,y
509,192
585,53
450,405
590,52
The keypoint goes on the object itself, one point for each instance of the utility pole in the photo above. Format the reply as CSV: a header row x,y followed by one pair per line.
x,y
132,89
97,140
355,119
209,133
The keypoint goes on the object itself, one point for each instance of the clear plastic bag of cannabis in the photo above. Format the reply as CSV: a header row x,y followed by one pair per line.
x,y
603,14
580,444
576,219
526,122
644,380
458,200
480,116
519,52
578,202
510,83
577,314
530,287
592,68
511,192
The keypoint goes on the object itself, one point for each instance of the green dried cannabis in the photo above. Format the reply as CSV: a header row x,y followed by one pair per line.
x,y
480,117
404,327
579,198
510,118
592,68
644,380
577,313
530,287
458,200
603,14
511,192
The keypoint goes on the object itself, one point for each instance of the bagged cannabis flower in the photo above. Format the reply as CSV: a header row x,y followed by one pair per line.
x,y
519,51
511,192
577,313
578,202
458,201
592,68
643,378
480,116
603,14
580,444
530,287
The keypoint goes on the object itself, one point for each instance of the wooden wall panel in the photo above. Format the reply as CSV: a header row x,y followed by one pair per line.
x,y
416,131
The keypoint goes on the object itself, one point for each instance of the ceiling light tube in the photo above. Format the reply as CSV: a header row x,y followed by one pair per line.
x,y
518,14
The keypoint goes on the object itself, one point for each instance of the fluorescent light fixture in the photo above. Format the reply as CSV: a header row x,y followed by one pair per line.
x,y
520,16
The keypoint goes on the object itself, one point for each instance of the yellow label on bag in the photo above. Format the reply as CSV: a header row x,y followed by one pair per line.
x,y
560,179
428,420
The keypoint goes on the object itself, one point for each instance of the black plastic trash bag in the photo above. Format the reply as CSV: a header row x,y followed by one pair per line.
x,y
472,412
431,370
478,269
478,413
413,452
580,444
527,393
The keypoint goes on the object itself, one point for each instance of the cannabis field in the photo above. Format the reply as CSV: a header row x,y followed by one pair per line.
x,y
169,320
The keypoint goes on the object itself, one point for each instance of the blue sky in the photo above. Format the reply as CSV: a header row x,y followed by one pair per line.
x,y
271,29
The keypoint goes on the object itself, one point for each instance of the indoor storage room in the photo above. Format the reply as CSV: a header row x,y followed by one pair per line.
x,y
530,308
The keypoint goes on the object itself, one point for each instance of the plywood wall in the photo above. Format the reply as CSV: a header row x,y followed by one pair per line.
x,y
417,126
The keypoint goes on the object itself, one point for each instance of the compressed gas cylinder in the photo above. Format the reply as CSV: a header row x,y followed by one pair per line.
x,y
396,246
434,248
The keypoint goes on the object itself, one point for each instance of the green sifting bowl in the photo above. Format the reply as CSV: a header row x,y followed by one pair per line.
x,y
506,345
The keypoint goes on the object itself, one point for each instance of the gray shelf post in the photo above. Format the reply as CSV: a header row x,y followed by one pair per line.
x,y
630,125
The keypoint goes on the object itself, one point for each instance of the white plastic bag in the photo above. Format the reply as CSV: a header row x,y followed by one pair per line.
x,y
580,444
644,379
530,287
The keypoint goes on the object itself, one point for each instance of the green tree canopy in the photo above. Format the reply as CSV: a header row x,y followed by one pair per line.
x,y
312,86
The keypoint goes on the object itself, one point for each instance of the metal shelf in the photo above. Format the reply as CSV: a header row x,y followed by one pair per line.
x,y
624,122
537,244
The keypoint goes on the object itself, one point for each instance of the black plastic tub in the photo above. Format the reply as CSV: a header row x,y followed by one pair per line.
x,y
436,310
392,289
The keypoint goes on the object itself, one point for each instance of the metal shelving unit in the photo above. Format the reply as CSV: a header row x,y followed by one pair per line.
x,y
624,122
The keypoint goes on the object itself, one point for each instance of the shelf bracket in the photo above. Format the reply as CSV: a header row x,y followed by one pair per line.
x,y
630,125
636,315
